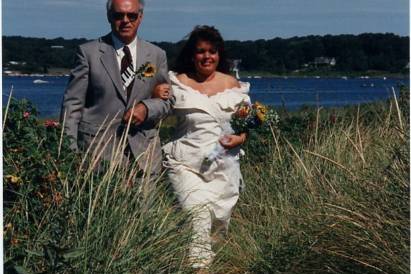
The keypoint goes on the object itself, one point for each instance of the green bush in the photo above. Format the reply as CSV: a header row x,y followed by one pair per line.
x,y
36,162
61,216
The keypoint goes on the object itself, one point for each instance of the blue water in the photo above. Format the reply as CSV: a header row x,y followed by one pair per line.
x,y
327,92
289,92
47,97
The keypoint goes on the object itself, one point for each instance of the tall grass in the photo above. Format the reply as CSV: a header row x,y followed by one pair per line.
x,y
326,192
332,202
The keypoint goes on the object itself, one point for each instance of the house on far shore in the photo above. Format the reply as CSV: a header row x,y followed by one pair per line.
x,y
16,63
12,68
9,72
322,62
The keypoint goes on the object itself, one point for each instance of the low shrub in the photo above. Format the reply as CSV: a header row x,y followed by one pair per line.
x,y
61,216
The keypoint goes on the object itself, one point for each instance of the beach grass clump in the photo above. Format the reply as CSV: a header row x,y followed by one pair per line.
x,y
71,213
326,192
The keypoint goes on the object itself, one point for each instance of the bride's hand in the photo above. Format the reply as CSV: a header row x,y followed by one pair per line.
x,y
230,141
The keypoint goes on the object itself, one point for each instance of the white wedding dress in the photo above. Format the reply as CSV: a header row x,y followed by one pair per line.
x,y
209,190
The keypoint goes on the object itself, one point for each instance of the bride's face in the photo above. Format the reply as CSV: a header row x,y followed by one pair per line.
x,y
206,58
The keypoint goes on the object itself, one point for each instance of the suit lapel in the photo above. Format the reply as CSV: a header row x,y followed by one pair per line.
x,y
109,61
139,91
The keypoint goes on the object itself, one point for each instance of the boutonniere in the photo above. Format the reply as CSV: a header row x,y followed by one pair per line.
x,y
147,70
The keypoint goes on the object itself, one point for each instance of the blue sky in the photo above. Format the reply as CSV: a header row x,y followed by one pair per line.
x,y
171,20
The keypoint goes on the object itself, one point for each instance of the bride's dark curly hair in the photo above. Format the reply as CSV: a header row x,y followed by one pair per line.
x,y
184,62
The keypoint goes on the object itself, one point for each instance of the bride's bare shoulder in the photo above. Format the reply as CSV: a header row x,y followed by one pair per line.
x,y
182,77
229,81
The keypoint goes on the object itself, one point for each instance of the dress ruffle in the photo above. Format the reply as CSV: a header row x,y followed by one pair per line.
x,y
227,100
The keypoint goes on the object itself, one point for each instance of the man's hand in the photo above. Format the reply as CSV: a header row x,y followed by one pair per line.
x,y
137,114
231,141
162,91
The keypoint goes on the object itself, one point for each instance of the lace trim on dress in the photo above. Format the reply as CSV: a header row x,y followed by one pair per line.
x,y
227,99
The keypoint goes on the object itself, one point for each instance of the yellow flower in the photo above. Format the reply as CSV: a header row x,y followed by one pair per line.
x,y
149,71
13,179
260,116
261,110
260,107
8,227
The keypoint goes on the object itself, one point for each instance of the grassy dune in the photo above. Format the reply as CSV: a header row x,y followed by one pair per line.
x,y
334,200
326,192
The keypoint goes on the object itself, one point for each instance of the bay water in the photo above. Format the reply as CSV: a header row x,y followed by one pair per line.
x,y
46,92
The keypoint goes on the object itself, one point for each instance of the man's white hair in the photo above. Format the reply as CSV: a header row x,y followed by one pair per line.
x,y
109,4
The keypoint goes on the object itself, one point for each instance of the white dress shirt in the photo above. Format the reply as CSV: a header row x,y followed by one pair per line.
x,y
118,46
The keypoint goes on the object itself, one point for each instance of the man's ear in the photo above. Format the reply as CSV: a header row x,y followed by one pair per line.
x,y
108,17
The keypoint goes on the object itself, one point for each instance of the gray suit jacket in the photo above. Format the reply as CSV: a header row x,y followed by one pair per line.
x,y
95,101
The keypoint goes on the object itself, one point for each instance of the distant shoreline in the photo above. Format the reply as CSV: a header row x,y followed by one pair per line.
x,y
323,74
367,54
257,74
34,75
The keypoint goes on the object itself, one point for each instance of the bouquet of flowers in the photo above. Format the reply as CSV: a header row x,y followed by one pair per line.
x,y
247,117
252,116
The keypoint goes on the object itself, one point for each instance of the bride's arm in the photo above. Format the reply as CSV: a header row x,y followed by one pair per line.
x,y
232,140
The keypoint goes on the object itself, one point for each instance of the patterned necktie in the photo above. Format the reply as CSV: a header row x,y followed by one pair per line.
x,y
127,71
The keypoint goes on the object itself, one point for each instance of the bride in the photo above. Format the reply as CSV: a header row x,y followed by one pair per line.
x,y
206,97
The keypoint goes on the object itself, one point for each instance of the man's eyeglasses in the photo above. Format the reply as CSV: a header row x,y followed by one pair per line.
x,y
132,16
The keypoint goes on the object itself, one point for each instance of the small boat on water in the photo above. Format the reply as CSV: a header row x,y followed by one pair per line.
x,y
39,81
370,85
257,77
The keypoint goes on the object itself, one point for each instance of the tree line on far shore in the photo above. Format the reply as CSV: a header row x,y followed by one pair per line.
x,y
352,53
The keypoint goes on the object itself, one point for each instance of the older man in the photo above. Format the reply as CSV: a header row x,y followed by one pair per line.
x,y
112,85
